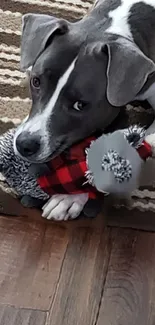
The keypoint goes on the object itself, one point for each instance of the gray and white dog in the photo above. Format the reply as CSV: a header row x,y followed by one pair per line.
x,y
80,75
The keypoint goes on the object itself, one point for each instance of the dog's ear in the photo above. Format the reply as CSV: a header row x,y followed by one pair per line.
x,y
36,32
127,71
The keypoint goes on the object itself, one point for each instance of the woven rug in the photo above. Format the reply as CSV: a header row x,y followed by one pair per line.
x,y
14,97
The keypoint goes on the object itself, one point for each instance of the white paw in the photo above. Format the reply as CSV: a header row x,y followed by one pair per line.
x,y
63,206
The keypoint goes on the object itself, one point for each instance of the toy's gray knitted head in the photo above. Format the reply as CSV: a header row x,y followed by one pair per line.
x,y
16,170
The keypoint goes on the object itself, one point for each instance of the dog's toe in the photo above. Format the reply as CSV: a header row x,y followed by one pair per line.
x,y
75,210
59,212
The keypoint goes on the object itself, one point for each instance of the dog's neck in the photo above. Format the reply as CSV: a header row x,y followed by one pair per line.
x,y
106,19
94,27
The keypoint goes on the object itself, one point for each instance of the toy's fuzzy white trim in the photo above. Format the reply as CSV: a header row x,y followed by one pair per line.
x,y
88,174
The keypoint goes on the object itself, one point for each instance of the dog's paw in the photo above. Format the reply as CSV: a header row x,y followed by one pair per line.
x,y
63,207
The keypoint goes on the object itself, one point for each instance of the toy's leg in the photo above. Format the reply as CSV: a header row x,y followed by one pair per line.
x,y
63,207
92,208
30,202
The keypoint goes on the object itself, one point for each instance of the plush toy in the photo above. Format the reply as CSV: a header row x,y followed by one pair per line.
x,y
16,173
23,177
115,160
108,164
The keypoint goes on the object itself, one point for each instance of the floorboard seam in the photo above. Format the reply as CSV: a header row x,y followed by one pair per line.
x,y
57,284
23,308
102,291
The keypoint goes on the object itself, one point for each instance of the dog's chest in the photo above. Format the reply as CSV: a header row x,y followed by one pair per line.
x,y
120,23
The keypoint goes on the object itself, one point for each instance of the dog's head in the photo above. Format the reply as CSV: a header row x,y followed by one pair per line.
x,y
77,82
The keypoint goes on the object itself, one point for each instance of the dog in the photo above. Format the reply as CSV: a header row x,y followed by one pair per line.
x,y
81,74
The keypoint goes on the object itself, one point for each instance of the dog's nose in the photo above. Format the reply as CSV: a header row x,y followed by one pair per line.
x,y
27,144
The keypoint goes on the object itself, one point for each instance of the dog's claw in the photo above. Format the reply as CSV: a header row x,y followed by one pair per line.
x,y
63,207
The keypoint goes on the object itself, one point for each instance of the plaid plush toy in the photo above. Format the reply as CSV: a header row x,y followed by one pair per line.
x,y
115,160
66,173
108,164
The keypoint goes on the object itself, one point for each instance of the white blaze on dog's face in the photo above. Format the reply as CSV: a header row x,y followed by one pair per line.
x,y
77,81
37,125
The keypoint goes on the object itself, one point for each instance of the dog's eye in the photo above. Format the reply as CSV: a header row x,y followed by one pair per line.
x,y
35,81
79,105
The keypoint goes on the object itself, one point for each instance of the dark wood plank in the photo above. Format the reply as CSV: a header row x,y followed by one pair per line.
x,y
134,219
11,207
82,279
31,258
129,292
113,217
13,316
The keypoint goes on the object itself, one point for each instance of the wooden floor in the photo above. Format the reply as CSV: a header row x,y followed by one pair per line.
x,y
76,275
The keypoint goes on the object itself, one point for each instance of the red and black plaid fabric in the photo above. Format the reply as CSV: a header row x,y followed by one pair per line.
x,y
145,150
67,172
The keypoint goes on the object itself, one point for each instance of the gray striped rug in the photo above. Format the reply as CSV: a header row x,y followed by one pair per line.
x,y
14,97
